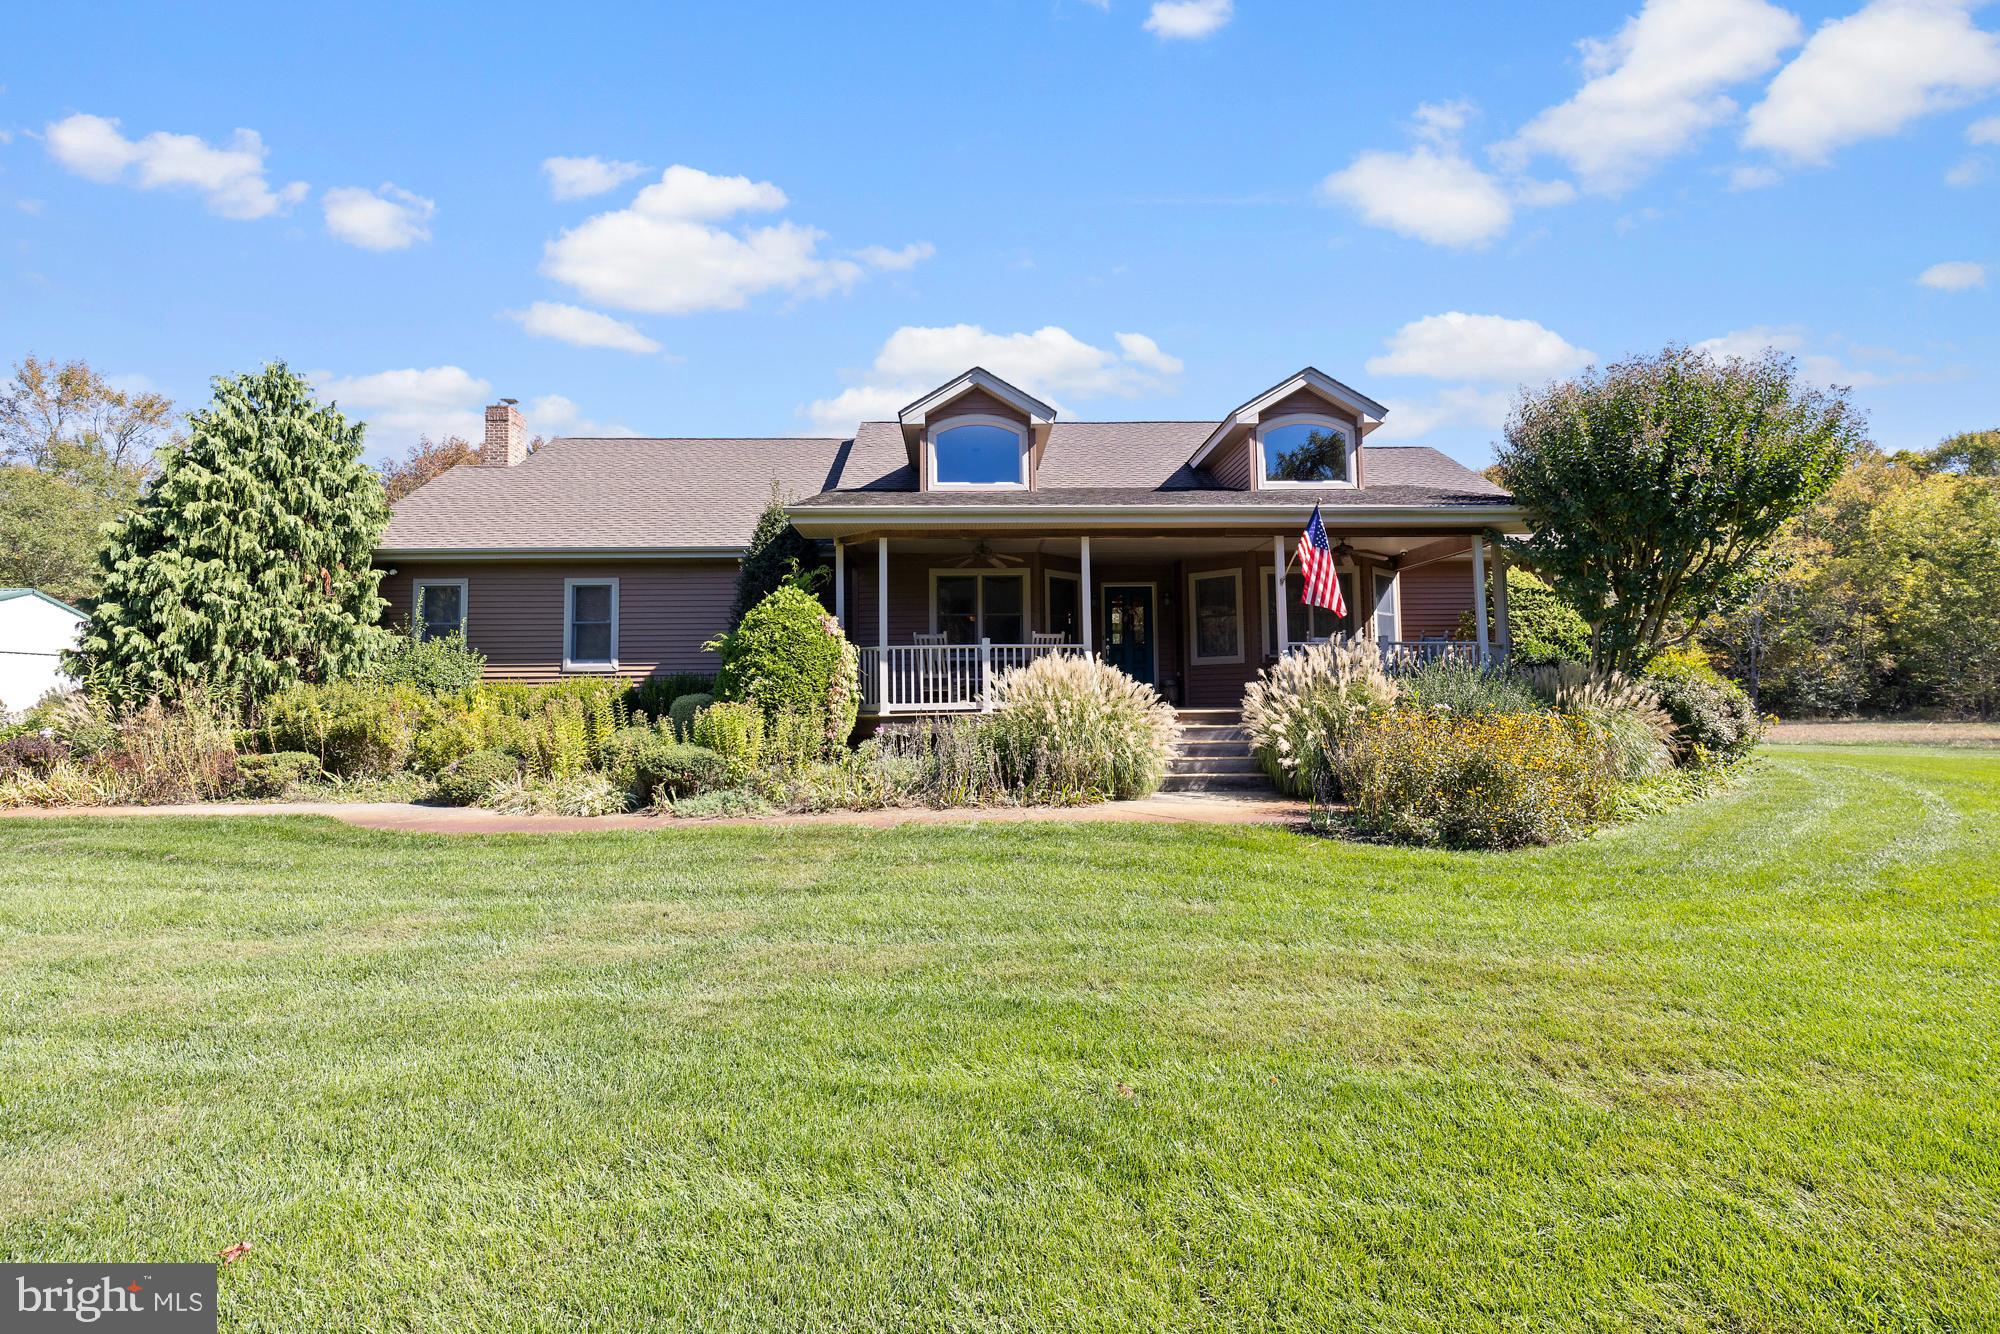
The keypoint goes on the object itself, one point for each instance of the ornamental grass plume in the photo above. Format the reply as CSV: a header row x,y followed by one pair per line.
x,y
1302,710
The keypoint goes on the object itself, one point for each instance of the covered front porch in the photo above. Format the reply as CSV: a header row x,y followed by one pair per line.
x,y
940,615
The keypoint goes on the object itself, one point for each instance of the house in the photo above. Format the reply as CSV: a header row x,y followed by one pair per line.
x,y
34,630
969,535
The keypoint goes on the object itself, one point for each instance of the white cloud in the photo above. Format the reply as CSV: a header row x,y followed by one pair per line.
x,y
1188,19
1871,73
230,179
1754,178
1656,87
1956,275
579,177
1821,364
1967,171
1457,346
1143,351
1985,131
1543,194
882,257
554,414
1050,363
666,254
401,405
581,328
386,219
1461,405
1441,122
1432,194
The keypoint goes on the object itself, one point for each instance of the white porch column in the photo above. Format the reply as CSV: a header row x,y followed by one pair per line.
x,y
1479,598
882,623
1089,622
1278,590
1503,636
840,584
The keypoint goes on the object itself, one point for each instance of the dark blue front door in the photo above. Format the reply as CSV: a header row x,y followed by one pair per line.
x,y
1126,629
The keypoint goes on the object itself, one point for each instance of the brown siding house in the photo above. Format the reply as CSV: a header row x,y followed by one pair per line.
x,y
1003,534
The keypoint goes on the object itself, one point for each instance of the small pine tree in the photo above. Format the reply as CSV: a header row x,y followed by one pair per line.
x,y
777,555
245,566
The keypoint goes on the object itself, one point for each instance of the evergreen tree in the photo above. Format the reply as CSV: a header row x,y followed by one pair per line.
x,y
777,555
245,566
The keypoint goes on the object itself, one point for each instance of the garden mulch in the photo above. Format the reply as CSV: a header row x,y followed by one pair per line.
x,y
1198,808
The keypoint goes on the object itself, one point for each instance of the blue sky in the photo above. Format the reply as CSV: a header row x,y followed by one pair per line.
x,y
797,215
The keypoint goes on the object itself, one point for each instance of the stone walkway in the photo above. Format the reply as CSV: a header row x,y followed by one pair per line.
x,y
1166,808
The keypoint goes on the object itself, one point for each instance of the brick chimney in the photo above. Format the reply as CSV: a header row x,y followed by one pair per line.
x,y
506,435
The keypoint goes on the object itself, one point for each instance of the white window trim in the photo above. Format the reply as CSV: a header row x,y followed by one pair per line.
x,y
417,587
1269,584
979,612
1049,578
1333,424
1194,616
933,431
570,664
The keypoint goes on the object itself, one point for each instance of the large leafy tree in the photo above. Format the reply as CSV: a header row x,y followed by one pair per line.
x,y
246,564
423,461
1653,485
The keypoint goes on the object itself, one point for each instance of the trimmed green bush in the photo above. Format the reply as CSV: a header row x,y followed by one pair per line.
x,y
674,769
787,656
276,774
1714,720
1068,729
680,716
1492,780
1543,627
1301,710
655,695
467,782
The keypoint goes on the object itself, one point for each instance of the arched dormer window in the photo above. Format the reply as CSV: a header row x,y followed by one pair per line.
x,y
1306,451
978,452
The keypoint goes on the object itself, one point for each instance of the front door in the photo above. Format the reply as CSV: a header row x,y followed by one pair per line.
x,y
1127,630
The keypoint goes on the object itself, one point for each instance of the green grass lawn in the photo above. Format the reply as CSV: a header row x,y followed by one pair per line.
x,y
1737,1066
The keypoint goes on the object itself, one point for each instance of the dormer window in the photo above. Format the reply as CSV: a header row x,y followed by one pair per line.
x,y
978,452
1306,451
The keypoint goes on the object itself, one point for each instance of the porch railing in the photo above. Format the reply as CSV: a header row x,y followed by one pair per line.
x,y
941,678
1406,653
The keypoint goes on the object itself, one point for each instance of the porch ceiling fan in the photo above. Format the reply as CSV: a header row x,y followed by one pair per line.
x,y
985,555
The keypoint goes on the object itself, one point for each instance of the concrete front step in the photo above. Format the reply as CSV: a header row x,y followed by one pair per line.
x,y
1236,735
1212,764
1211,782
1218,746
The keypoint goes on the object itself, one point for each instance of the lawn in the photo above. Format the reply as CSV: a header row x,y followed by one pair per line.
x,y
1737,1066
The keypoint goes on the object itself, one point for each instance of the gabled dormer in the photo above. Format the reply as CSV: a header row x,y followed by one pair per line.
x,y
1306,430
976,433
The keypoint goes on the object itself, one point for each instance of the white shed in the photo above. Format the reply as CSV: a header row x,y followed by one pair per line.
x,y
34,630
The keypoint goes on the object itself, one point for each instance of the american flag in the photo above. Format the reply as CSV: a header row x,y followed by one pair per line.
x,y
1316,560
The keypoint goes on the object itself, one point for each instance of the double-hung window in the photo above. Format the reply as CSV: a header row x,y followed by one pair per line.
x,y
590,625
1216,602
969,607
437,608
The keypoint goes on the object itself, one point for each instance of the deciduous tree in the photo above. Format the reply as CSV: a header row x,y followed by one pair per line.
x,y
423,461
1651,486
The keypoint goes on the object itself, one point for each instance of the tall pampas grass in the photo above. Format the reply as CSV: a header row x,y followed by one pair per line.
x,y
1067,729
1303,709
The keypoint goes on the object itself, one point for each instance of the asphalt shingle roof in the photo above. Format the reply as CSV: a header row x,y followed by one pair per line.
x,y
597,494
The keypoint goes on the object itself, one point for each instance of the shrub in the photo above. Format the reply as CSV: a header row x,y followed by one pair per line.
x,y
735,731
1450,685
67,783
787,656
949,761
1301,710
440,666
722,803
355,729
184,751
655,695
1714,720
1481,781
1543,627
32,753
1636,732
681,715
1068,729
276,775
574,794
660,767
467,781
